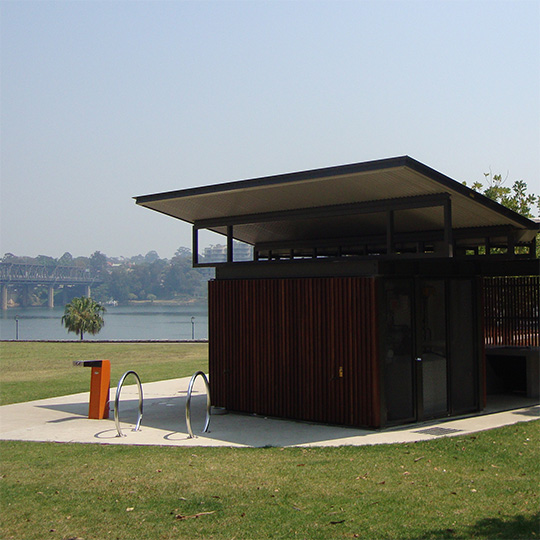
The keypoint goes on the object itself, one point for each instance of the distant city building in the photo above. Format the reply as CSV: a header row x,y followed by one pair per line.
x,y
218,252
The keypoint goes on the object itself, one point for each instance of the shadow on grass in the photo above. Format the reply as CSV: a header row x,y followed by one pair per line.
x,y
505,527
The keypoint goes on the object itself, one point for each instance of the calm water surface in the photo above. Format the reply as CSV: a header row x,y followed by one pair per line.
x,y
121,322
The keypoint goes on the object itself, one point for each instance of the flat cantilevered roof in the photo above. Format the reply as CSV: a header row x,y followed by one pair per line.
x,y
384,207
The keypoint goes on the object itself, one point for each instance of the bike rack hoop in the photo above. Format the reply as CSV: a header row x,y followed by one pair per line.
x,y
117,402
188,403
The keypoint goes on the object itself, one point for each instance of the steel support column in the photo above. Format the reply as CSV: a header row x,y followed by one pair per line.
x,y
230,245
390,248
195,247
448,239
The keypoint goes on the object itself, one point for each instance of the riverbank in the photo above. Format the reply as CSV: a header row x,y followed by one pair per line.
x,y
140,322
173,302
104,341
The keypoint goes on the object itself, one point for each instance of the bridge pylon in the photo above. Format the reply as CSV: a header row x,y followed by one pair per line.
x,y
26,276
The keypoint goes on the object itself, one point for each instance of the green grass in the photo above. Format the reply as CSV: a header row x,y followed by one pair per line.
x,y
481,486
37,370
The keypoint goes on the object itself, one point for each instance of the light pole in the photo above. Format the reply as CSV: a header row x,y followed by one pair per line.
x,y
16,327
192,328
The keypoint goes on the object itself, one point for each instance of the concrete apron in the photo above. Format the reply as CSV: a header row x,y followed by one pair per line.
x,y
65,419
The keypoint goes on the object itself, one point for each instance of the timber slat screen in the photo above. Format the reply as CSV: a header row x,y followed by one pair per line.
x,y
511,307
296,348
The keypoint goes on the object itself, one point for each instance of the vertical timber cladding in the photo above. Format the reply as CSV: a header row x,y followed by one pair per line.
x,y
511,311
296,348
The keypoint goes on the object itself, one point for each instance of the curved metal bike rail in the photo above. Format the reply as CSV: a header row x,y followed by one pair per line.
x,y
117,401
188,403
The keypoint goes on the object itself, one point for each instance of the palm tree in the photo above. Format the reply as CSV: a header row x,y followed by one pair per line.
x,y
83,315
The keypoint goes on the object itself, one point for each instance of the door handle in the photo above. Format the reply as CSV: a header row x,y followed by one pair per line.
x,y
419,359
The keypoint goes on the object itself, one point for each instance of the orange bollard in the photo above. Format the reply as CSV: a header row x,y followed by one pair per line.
x,y
100,383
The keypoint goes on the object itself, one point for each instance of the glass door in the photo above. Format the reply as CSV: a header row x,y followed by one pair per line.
x,y
431,356
397,350
414,349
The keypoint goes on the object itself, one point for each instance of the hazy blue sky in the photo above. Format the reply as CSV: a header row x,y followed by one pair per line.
x,y
103,101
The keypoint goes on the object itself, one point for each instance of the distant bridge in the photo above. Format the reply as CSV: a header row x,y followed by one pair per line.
x,y
29,275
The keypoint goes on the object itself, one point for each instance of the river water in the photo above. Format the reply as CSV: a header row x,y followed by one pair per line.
x,y
146,322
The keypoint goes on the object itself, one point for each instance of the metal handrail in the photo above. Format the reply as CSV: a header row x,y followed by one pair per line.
x,y
117,401
188,403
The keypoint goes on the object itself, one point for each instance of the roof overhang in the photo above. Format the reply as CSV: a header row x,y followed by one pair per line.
x,y
390,205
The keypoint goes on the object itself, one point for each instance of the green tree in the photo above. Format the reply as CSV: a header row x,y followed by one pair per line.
x,y
98,263
516,198
119,285
151,257
45,260
83,315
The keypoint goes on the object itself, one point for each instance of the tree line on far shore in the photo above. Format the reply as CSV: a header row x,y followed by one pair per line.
x,y
122,280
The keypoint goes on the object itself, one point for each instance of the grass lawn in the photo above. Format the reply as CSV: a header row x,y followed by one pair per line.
x,y
35,370
480,486
476,486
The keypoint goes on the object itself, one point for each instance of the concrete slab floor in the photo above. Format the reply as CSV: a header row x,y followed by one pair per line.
x,y
64,419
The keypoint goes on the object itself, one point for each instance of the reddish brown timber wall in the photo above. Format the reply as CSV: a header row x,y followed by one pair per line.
x,y
511,306
296,348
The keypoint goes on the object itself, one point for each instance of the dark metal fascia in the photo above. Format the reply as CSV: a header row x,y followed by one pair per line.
x,y
287,178
324,259
367,207
403,237
423,265
484,231
378,239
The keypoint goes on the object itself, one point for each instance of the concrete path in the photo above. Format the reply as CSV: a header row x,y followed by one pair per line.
x,y
64,419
